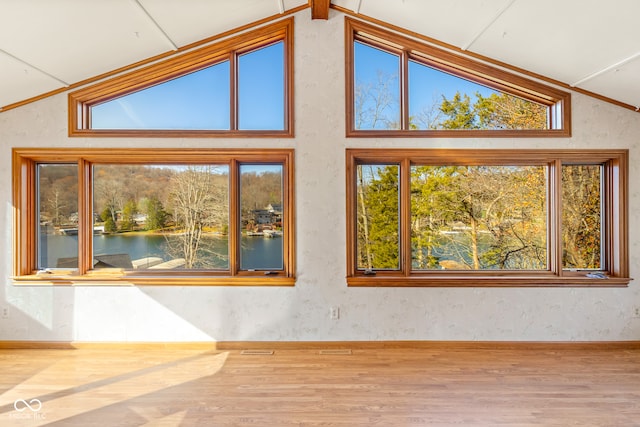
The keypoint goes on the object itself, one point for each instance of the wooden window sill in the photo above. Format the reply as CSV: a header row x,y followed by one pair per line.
x,y
486,281
97,279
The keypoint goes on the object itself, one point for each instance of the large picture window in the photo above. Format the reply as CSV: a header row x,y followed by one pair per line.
x,y
154,216
397,86
486,217
242,86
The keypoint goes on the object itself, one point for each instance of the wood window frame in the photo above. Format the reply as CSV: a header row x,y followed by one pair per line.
x,y
615,212
25,161
558,101
81,101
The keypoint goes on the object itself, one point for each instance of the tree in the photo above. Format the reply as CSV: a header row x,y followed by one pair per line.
x,y
478,217
460,113
199,198
129,211
156,215
110,193
581,213
498,111
475,217
504,111
376,106
58,188
378,220
109,224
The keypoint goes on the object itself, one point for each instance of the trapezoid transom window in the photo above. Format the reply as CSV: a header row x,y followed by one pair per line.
x,y
397,86
240,86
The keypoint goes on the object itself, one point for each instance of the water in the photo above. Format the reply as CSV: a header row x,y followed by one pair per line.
x,y
259,253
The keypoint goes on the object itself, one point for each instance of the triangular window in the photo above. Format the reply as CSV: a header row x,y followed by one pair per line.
x,y
398,86
240,86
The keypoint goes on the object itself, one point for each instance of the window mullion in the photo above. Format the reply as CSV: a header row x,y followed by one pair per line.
x,y
233,91
404,90
405,217
234,217
555,217
85,216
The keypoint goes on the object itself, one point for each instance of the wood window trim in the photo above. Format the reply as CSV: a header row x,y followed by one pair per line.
x,y
80,101
457,65
615,227
25,221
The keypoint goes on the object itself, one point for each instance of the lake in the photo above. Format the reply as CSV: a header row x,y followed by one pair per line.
x,y
257,252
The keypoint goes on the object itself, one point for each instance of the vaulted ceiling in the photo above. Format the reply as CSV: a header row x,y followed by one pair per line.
x,y
49,45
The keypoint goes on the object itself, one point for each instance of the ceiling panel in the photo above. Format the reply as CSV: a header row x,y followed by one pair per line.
x,y
76,39
572,41
189,21
620,83
455,22
19,81
567,40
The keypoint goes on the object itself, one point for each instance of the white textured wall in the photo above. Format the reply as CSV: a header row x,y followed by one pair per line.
x,y
177,313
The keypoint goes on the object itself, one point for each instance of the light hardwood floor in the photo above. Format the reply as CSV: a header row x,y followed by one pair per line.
x,y
539,385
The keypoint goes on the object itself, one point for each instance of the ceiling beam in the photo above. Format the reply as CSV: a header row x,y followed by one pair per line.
x,y
320,9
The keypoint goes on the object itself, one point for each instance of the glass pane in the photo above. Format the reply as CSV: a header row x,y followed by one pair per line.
x,y
261,207
582,217
196,101
377,88
261,94
377,213
58,216
438,100
161,216
478,217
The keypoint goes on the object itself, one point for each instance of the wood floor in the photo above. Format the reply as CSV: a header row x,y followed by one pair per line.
x,y
519,386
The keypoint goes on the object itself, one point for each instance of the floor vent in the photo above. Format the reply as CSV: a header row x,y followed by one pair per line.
x,y
257,352
336,351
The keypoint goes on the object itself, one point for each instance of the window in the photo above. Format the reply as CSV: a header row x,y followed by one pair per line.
x,y
486,217
154,216
242,86
397,86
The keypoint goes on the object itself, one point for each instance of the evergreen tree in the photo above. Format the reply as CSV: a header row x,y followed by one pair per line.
x,y
128,213
156,215
378,243
110,225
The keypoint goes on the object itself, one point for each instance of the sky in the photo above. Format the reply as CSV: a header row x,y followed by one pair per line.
x,y
201,100
426,85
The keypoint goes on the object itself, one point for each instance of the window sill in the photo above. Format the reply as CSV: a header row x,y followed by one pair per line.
x,y
487,281
458,133
102,279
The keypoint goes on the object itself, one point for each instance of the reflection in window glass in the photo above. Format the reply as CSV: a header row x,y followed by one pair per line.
x,y
261,95
161,217
377,88
478,217
261,210
581,217
377,213
196,101
438,100
57,200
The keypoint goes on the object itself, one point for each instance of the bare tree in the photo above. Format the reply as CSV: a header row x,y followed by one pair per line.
x,y
376,106
199,200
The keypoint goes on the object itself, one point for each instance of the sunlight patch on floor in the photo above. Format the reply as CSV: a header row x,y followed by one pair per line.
x,y
66,400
